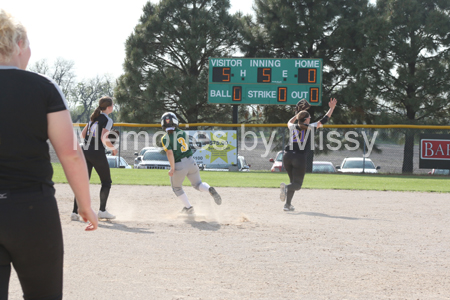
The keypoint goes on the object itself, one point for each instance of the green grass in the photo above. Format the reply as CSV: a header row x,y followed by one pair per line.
x,y
378,182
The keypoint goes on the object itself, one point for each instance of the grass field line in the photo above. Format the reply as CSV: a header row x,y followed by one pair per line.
x,y
261,179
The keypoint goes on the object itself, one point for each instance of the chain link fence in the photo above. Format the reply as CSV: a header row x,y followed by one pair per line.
x,y
259,143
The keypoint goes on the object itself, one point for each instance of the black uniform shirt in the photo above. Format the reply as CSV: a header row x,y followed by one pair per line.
x,y
299,140
25,100
95,129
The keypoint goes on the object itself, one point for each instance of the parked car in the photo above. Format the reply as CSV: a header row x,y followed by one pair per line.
x,y
439,172
277,162
200,140
323,167
318,166
241,166
154,159
139,155
117,162
357,165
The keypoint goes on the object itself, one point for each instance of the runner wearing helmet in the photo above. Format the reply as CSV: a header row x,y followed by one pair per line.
x,y
176,144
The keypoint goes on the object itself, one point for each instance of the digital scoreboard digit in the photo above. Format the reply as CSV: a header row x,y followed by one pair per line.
x,y
307,75
264,81
221,74
264,75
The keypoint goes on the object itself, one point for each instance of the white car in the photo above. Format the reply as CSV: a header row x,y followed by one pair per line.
x,y
117,162
139,155
357,165
154,158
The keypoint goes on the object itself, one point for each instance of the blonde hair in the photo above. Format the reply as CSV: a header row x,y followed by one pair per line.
x,y
103,104
11,33
301,117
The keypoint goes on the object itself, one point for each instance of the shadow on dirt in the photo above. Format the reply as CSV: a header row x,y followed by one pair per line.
x,y
315,214
122,227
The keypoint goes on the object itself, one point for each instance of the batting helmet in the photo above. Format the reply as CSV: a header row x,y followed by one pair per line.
x,y
302,105
169,120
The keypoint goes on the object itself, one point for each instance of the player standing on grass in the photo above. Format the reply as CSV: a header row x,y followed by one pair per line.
x,y
176,144
294,158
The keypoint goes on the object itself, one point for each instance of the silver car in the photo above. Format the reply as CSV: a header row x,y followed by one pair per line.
x,y
139,155
154,159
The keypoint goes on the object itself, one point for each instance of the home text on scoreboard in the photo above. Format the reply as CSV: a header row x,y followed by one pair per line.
x,y
264,81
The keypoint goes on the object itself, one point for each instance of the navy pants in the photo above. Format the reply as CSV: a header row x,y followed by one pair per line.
x,y
97,159
295,165
31,241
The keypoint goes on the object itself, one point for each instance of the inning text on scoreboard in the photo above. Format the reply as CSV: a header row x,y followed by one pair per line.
x,y
264,81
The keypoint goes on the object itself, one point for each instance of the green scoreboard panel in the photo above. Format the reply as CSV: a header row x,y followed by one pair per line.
x,y
264,80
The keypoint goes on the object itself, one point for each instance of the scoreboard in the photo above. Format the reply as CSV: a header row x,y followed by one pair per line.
x,y
265,81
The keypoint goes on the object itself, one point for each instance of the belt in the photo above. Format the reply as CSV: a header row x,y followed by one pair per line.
x,y
183,158
28,189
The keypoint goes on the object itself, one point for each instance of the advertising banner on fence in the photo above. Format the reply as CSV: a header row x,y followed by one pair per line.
x,y
434,151
214,148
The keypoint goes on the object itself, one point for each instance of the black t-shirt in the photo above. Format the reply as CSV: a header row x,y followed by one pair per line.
x,y
25,100
95,129
299,140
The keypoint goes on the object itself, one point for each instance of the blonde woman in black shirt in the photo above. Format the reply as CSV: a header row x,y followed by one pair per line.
x,y
33,110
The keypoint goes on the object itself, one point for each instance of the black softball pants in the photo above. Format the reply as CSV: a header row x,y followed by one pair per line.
x,y
31,240
97,159
295,165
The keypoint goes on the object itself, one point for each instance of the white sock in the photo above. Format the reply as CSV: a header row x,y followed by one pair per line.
x,y
204,187
185,200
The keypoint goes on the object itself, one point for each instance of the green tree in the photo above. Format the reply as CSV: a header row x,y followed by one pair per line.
x,y
409,74
62,71
329,30
85,95
166,65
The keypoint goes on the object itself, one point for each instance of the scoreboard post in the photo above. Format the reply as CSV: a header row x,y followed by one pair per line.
x,y
265,81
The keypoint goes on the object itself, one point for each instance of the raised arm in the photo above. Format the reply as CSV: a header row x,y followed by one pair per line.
x,y
332,105
63,139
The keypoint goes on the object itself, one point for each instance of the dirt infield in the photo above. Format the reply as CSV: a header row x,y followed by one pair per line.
x,y
335,245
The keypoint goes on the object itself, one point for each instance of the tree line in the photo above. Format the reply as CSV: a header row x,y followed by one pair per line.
x,y
386,62
82,96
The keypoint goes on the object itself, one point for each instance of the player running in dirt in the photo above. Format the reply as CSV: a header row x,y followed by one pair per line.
x,y
176,144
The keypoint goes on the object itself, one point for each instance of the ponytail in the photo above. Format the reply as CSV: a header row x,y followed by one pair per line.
x,y
103,104
95,114
301,118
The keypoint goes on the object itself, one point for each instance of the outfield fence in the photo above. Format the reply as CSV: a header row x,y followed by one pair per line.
x,y
384,144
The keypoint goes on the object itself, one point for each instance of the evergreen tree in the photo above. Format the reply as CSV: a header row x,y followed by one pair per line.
x,y
166,65
329,30
409,73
